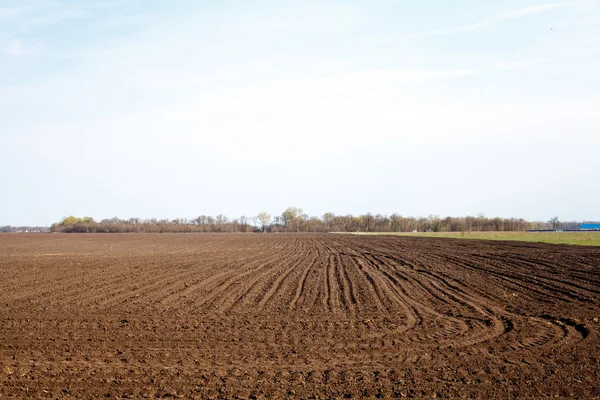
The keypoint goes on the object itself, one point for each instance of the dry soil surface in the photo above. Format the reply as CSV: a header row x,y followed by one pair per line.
x,y
308,316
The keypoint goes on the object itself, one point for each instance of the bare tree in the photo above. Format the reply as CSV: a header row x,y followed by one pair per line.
x,y
328,219
555,223
201,220
264,218
244,222
293,218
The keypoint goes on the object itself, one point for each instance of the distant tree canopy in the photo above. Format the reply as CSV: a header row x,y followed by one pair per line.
x,y
293,219
68,221
15,229
554,222
264,218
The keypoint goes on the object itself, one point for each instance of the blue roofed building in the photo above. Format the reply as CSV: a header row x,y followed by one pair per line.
x,y
590,227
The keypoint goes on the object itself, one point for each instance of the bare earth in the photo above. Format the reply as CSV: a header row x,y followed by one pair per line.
x,y
310,316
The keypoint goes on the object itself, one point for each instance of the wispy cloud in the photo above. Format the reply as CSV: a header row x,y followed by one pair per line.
x,y
35,15
16,49
52,18
454,29
532,10
8,13
103,4
492,21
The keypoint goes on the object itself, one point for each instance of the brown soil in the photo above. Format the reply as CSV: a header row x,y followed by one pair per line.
x,y
309,316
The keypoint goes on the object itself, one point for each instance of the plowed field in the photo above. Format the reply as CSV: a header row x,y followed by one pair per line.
x,y
196,316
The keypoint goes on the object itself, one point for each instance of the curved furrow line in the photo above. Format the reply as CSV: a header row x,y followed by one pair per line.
x,y
154,284
588,264
233,287
327,291
550,266
182,296
490,323
466,330
549,282
245,296
252,263
487,324
303,277
135,275
438,295
293,263
314,290
228,267
352,294
590,284
432,291
357,292
225,263
342,285
584,277
488,273
415,312
574,332
538,337
326,285
383,302
492,260
301,282
551,290
348,294
367,298
513,285
301,285
455,293
484,332
79,293
183,284
188,288
406,294
515,269
549,331
333,294
472,289
542,335
539,333
261,266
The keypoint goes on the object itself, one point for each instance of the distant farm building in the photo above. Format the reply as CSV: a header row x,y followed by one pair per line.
x,y
590,227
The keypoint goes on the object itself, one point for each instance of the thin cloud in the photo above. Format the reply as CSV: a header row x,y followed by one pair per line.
x,y
39,15
102,4
517,65
11,13
447,31
464,28
527,11
494,20
16,49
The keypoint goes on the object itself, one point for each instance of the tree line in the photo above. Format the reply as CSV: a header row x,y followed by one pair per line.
x,y
294,219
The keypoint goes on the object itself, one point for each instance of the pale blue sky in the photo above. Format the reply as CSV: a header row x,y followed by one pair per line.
x,y
179,108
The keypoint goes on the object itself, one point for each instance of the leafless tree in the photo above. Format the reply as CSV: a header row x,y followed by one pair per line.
x,y
264,218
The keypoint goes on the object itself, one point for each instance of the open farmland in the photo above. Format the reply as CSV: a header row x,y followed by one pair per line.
x,y
580,238
296,315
